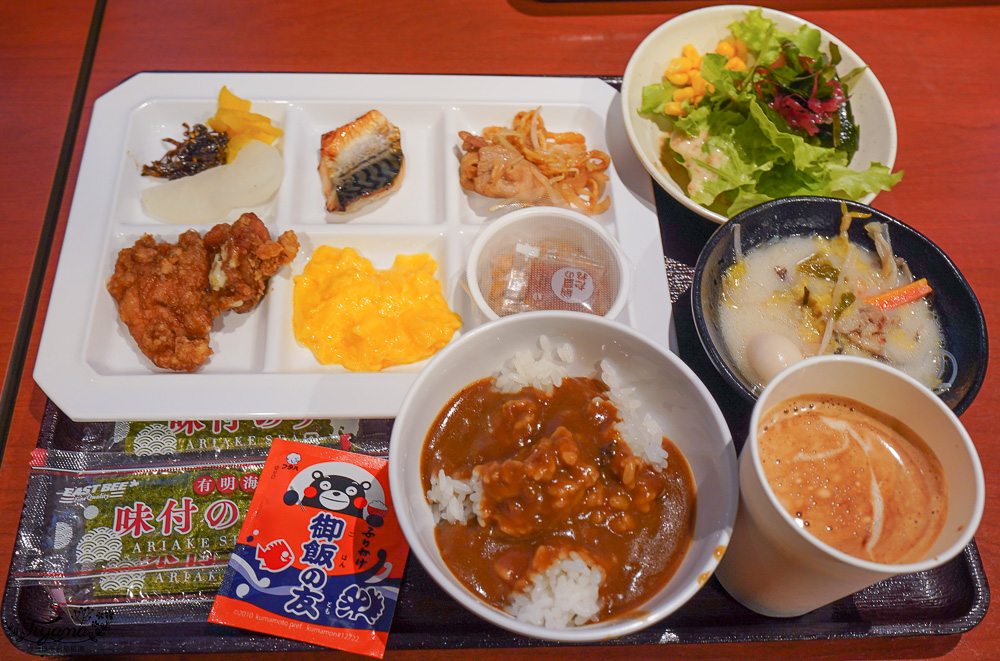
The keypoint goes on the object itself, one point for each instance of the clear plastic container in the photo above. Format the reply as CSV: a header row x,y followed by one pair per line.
x,y
546,258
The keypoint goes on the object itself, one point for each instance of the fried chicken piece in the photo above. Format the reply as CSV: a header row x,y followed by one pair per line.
x,y
163,298
168,294
243,258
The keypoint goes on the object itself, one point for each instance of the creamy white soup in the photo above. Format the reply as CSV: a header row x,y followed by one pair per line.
x,y
803,296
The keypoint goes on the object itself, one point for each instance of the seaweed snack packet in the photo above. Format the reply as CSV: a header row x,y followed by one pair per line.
x,y
222,437
320,555
101,530
179,436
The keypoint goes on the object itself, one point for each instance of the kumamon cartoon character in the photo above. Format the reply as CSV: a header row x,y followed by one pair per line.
x,y
339,487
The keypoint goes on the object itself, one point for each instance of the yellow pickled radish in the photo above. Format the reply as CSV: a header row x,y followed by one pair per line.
x,y
234,118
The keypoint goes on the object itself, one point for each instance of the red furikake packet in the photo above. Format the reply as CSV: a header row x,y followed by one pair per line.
x,y
320,555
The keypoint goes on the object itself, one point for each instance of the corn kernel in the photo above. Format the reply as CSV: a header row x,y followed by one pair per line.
x,y
679,65
736,64
682,94
691,53
673,108
698,84
725,48
679,78
741,48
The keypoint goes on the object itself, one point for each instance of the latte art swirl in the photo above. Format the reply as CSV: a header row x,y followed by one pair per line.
x,y
853,477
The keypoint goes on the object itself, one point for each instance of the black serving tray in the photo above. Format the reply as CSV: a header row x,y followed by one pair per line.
x,y
947,600
950,599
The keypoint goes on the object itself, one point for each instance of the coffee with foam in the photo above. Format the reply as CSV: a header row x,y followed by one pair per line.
x,y
856,478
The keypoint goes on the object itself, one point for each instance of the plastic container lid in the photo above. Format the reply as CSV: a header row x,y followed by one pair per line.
x,y
547,258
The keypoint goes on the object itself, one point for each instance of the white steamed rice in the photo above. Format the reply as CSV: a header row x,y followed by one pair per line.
x,y
453,500
543,370
641,432
567,594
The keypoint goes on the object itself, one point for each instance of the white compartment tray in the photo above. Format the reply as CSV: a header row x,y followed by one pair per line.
x,y
92,370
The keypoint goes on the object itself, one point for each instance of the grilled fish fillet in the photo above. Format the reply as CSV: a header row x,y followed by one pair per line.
x,y
360,162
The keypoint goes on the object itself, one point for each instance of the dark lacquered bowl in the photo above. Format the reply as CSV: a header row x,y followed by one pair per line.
x,y
953,301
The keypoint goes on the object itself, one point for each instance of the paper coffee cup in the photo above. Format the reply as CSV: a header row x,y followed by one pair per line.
x,y
776,568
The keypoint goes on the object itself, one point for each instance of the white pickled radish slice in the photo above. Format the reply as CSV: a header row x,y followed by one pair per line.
x,y
251,179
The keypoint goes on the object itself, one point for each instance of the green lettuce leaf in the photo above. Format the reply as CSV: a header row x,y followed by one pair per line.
x,y
858,184
654,96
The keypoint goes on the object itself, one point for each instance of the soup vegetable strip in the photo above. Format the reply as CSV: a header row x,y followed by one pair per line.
x,y
837,301
879,233
781,127
900,295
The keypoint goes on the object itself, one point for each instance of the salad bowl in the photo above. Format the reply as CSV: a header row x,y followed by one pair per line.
x,y
704,28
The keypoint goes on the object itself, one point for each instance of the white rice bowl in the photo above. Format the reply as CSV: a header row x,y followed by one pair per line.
x,y
656,395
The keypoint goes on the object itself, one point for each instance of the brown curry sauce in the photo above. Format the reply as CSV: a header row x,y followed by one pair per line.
x,y
557,478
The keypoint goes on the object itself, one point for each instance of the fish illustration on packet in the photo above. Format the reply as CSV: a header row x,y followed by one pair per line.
x,y
320,555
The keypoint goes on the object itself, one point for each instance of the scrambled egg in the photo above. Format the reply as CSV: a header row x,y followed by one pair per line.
x,y
352,314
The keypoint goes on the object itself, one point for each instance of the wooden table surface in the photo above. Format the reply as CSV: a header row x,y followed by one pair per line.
x,y
937,63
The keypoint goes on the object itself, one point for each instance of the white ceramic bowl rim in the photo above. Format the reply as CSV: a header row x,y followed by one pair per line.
x,y
622,625
932,400
724,14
